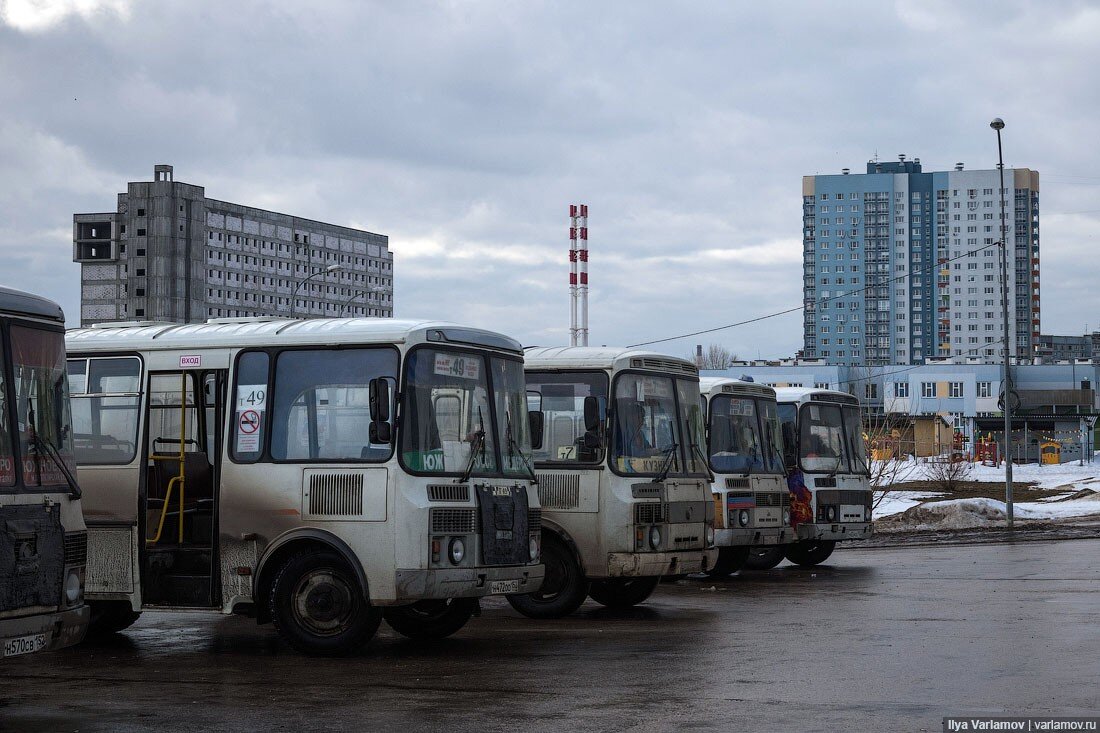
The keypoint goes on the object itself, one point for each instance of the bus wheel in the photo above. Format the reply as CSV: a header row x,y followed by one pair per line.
x,y
622,592
810,552
730,560
318,607
430,619
764,558
111,617
564,587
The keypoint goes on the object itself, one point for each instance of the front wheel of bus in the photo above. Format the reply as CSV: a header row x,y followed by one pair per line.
x,y
564,586
318,606
622,592
764,558
810,552
431,619
730,560
111,617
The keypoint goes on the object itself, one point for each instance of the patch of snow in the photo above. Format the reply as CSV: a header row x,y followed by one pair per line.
x,y
896,502
969,513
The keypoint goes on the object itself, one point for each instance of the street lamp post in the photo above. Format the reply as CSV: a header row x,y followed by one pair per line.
x,y
294,295
357,293
998,124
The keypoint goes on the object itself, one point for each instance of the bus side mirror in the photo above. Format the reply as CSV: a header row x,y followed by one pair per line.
x,y
591,414
381,432
379,398
535,421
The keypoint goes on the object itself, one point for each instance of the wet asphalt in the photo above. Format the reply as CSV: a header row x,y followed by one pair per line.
x,y
877,639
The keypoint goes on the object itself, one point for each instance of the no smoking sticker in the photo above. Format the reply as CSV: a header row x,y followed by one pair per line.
x,y
248,431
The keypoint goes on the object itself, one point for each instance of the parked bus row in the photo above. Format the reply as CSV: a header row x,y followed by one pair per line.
x,y
326,475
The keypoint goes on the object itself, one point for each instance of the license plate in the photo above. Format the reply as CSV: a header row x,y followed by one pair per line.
x,y
24,645
504,586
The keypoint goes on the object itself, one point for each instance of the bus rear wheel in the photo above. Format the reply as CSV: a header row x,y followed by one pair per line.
x,y
430,619
730,560
564,587
810,552
318,606
111,617
622,592
764,558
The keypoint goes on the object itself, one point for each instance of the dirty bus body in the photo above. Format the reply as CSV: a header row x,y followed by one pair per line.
x,y
334,472
622,475
828,474
43,545
752,517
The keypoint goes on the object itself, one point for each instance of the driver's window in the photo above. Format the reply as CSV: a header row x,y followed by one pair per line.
x,y
448,416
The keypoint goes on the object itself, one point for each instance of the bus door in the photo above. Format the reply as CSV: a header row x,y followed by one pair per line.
x,y
183,417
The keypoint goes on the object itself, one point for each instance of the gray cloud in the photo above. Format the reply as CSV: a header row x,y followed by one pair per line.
x,y
463,130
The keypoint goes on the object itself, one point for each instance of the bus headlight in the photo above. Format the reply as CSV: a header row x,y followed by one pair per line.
x,y
786,516
457,550
743,518
830,513
654,537
710,535
867,513
74,586
533,547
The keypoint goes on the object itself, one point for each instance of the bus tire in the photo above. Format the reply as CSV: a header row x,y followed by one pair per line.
x,y
764,558
318,606
430,619
110,617
622,592
730,560
564,587
810,552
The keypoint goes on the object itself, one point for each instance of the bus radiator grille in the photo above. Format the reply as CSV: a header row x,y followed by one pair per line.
x,y
453,521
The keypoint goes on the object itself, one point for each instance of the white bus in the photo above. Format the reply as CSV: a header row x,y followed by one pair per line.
x,y
622,475
827,469
752,507
43,545
319,474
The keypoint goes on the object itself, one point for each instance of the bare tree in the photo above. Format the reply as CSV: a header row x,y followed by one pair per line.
x,y
949,472
715,356
890,462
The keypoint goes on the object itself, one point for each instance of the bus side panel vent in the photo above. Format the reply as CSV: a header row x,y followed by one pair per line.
x,y
559,491
737,483
331,494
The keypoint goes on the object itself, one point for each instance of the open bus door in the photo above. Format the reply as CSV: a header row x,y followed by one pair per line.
x,y
184,416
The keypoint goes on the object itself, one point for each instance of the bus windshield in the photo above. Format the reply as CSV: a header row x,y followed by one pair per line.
x,y
42,406
649,429
823,442
857,447
744,435
447,417
509,393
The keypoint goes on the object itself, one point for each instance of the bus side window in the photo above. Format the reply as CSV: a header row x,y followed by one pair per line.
x,y
250,414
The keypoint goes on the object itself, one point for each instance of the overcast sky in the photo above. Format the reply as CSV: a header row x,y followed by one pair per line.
x,y
463,130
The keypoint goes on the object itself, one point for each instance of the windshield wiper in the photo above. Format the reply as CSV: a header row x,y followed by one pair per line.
x,y
513,447
666,466
477,447
695,450
54,455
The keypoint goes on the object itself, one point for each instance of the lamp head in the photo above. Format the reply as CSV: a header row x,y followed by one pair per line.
x,y
997,124
333,268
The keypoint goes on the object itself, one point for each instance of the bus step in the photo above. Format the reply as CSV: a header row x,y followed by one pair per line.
x,y
177,589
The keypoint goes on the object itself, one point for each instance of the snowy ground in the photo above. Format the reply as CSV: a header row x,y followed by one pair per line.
x,y
1077,487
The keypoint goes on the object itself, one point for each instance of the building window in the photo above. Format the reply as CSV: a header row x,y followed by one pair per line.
x,y
141,212
927,389
870,391
139,311
985,389
140,272
141,232
140,252
955,389
901,389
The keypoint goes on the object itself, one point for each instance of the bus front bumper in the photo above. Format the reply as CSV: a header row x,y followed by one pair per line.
x,y
440,583
754,536
651,564
59,629
836,531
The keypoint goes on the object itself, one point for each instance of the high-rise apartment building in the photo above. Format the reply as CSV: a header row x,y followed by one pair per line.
x,y
902,265
168,253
